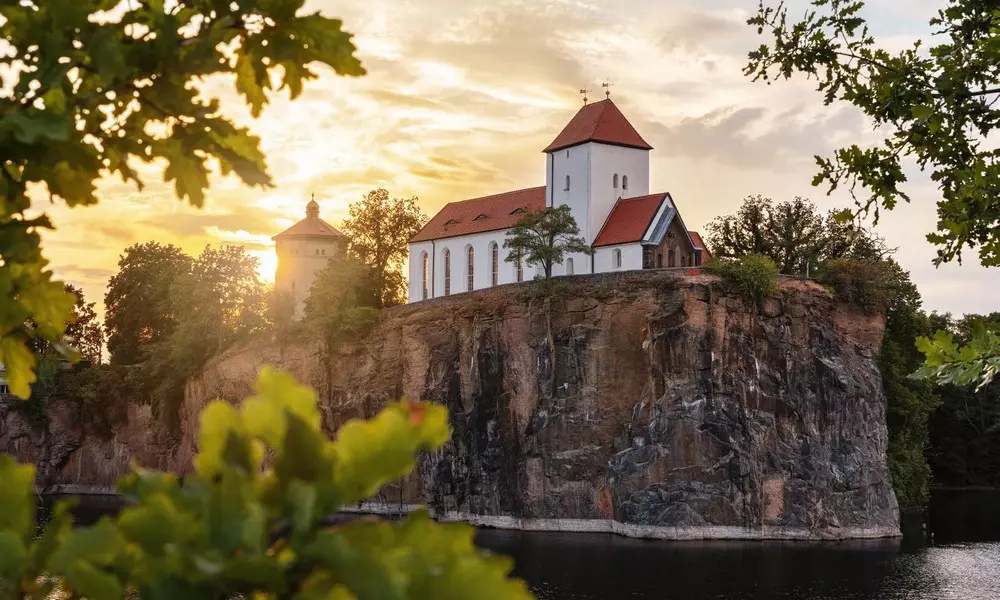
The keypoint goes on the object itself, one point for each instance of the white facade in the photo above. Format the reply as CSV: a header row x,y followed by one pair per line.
x,y
448,265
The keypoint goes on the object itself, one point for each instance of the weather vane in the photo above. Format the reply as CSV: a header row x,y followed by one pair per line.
x,y
607,88
584,91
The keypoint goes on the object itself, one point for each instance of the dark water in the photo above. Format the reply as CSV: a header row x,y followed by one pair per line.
x,y
962,562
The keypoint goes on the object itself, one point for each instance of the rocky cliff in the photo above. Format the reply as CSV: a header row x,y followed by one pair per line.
x,y
649,404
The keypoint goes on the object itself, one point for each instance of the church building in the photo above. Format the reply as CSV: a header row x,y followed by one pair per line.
x,y
303,251
599,166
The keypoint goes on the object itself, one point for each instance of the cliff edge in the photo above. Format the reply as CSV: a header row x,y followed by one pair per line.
x,y
651,404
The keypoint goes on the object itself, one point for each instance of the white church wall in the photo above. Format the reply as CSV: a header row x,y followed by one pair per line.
x,y
458,247
607,161
604,258
574,162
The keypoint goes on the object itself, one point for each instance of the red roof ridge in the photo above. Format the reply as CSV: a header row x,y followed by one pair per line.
x,y
497,208
311,226
518,191
612,221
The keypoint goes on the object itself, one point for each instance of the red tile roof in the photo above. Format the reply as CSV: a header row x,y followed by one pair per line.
x,y
311,226
467,216
699,243
598,122
629,220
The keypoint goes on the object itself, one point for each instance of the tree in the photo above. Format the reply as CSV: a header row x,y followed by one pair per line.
x,y
84,332
94,90
380,229
793,234
937,106
250,520
344,299
138,311
544,237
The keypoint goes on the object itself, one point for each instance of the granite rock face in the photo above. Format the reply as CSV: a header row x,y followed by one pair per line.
x,y
648,404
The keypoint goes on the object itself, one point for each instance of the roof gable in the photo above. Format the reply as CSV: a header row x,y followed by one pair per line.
x,y
598,122
629,220
478,215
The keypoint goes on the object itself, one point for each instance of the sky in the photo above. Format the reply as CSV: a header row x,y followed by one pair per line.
x,y
462,95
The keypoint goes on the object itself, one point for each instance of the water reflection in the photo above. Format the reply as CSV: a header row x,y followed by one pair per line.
x,y
962,564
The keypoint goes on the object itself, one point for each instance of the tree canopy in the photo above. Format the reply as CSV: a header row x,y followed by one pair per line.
x,y
938,107
545,237
380,229
97,87
344,299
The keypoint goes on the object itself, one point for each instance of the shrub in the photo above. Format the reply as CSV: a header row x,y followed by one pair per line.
x,y
754,276
864,283
604,291
236,529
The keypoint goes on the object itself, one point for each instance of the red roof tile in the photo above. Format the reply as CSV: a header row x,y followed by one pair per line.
x,y
467,216
311,226
598,122
629,220
699,243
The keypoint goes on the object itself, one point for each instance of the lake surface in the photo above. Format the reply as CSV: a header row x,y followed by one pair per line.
x,y
961,563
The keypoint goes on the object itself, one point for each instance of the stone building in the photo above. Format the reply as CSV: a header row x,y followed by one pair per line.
x,y
303,250
598,165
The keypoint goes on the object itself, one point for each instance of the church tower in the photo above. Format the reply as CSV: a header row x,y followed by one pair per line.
x,y
595,160
303,251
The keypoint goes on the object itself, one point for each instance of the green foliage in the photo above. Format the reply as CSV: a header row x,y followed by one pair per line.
x,y
238,528
604,291
92,91
754,276
864,283
380,229
936,106
544,238
343,300
793,234
138,311
947,363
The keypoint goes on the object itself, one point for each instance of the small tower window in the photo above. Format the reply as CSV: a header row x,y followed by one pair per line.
x,y
470,267
447,272
519,268
569,266
615,181
616,258
494,263
567,183
426,264
624,182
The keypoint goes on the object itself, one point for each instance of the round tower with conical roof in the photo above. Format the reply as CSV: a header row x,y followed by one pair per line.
x,y
303,251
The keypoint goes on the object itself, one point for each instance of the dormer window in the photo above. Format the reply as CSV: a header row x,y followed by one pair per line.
x,y
451,222
567,183
517,211
480,218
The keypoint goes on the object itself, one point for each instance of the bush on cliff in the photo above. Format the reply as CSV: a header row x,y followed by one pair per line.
x,y
236,528
864,283
754,276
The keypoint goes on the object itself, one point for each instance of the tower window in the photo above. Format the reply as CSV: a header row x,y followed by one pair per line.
x,y
471,268
615,181
624,182
447,272
494,263
426,264
616,258
569,266
519,268
567,183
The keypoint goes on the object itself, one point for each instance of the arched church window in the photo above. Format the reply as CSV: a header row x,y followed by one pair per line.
x,y
567,183
519,267
624,182
617,258
470,267
494,263
426,265
569,266
670,259
615,181
447,272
